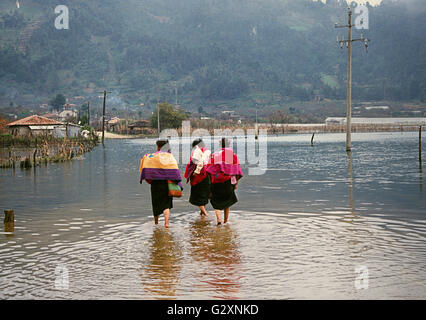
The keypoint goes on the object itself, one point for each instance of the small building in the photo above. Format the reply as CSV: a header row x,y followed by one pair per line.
x,y
113,124
33,126
139,126
69,130
38,125
67,114
413,121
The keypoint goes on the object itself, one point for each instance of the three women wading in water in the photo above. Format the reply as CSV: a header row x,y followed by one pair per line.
x,y
212,177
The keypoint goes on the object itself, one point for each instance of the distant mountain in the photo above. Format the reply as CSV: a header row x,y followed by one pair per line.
x,y
232,52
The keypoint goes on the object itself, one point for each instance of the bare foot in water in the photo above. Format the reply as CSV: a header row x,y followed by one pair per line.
x,y
203,211
166,217
219,220
226,214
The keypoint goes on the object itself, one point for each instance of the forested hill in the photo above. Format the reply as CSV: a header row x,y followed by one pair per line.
x,y
209,50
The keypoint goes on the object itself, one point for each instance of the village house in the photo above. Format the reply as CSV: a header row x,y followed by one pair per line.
x,y
37,125
113,124
139,126
68,114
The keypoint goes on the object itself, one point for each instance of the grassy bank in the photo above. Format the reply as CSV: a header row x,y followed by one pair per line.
x,y
26,152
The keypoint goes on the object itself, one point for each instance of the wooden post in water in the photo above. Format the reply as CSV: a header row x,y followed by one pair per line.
x,y
9,216
420,146
312,139
420,159
9,222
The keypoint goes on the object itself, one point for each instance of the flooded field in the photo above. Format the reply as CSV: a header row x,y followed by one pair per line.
x,y
319,224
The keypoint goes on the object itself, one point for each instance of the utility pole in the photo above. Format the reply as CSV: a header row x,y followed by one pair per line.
x,y
158,118
103,118
127,119
176,94
88,114
256,128
348,43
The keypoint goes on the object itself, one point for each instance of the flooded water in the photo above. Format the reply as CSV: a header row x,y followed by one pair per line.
x,y
317,224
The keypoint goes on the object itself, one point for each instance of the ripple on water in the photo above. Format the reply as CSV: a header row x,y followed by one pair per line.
x,y
300,231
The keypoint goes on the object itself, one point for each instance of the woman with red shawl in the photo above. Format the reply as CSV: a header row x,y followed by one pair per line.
x,y
225,171
196,173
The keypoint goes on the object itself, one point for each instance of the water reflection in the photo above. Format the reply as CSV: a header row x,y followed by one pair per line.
x,y
420,168
350,184
160,275
219,247
105,177
296,232
9,229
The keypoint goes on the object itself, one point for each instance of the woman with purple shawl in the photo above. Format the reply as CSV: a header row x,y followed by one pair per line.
x,y
225,171
158,169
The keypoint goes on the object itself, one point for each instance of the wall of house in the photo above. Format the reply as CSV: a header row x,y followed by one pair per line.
x,y
20,131
73,131
60,132
36,132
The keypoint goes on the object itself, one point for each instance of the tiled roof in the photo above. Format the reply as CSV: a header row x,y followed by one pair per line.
x,y
34,121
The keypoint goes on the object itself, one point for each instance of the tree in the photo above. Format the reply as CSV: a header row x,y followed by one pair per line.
x,y
169,116
83,119
58,102
3,124
280,117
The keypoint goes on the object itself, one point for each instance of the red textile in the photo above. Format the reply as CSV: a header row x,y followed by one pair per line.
x,y
189,172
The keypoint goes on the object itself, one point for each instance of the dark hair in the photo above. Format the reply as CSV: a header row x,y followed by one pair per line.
x,y
224,143
197,142
162,143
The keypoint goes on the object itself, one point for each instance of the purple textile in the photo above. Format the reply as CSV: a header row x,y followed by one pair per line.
x,y
226,168
161,174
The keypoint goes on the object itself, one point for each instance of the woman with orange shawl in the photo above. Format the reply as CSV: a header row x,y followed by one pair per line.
x,y
159,169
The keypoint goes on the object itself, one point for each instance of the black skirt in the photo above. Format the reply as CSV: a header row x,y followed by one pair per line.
x,y
160,197
223,195
200,193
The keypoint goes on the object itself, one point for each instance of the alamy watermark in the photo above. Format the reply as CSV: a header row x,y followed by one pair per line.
x,y
361,279
251,147
361,19
62,277
62,22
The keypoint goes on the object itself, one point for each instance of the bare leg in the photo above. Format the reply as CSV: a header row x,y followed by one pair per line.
x,y
166,217
227,210
218,213
156,219
203,211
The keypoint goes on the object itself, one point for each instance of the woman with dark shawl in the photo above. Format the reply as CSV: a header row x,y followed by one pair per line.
x,y
225,172
196,173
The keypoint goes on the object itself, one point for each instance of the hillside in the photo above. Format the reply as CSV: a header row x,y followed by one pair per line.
x,y
236,53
